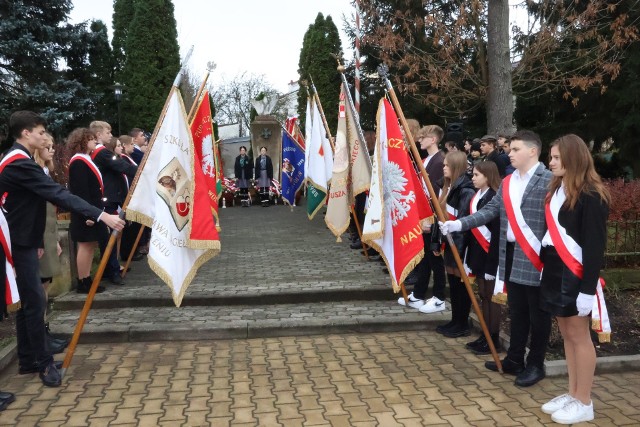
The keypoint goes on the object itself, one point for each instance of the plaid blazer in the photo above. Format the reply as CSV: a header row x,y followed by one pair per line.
x,y
532,206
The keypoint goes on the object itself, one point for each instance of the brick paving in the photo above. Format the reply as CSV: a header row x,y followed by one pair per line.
x,y
319,341
382,379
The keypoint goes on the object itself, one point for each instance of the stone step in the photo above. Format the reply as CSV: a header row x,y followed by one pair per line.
x,y
159,295
244,321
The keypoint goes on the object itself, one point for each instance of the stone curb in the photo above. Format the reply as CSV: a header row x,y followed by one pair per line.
x,y
267,298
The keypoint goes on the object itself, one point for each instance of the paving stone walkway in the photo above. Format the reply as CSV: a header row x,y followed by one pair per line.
x,y
285,328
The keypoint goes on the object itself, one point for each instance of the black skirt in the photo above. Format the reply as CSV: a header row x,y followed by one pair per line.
x,y
81,232
559,287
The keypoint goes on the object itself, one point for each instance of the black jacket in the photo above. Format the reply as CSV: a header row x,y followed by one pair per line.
x,y
112,169
459,198
478,260
27,189
137,154
501,160
248,168
269,165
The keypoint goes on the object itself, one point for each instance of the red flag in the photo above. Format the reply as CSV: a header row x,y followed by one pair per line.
x,y
205,168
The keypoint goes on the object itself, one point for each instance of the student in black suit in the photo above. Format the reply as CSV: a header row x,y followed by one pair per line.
x,y
27,189
112,169
139,144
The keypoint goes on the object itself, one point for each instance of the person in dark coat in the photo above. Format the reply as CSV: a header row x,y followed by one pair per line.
x,y
577,208
243,170
263,171
482,254
139,144
27,189
455,199
490,151
113,170
86,182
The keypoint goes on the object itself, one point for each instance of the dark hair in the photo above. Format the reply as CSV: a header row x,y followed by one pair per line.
x,y
490,170
134,132
241,147
265,148
78,140
530,139
475,146
21,120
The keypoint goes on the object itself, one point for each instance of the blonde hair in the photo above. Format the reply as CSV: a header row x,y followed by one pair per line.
x,y
431,130
457,163
414,127
98,126
39,160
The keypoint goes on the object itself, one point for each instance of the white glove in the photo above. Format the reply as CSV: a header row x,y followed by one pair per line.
x,y
584,304
489,277
450,227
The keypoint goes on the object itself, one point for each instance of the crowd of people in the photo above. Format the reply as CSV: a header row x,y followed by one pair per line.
x,y
508,216
500,198
260,171
101,168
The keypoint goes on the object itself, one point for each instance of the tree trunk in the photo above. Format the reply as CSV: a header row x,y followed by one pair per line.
x,y
500,94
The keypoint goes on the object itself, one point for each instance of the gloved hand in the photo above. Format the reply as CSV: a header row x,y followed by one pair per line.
x,y
489,277
450,226
584,304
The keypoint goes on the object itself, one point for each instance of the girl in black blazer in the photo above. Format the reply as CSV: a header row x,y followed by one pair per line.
x,y
482,254
577,210
86,182
263,174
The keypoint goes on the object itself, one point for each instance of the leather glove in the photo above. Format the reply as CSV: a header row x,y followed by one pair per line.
x,y
584,304
449,227
489,277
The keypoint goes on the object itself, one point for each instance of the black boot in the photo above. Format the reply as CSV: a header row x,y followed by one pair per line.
x,y
481,340
80,287
484,349
86,286
56,345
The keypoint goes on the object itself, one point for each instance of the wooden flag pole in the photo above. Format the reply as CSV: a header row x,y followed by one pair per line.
x,y
383,72
196,101
114,234
133,251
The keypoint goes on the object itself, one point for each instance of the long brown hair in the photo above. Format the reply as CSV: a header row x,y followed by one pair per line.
x,y
457,163
490,171
36,155
580,174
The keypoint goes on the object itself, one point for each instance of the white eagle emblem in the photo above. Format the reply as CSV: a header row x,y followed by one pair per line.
x,y
396,203
208,165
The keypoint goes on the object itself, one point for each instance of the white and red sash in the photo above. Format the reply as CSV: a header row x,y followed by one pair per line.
x,y
481,233
11,293
79,157
96,150
7,160
571,255
525,237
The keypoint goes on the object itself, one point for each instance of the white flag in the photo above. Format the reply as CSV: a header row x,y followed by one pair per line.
x,y
163,200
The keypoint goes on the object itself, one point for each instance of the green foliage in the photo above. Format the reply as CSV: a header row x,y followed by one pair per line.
x,y
320,42
122,16
36,41
152,62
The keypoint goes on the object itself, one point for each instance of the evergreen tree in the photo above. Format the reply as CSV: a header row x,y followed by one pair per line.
x,y
152,62
320,43
122,17
35,36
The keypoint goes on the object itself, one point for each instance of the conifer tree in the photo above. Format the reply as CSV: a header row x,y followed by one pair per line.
x,y
320,43
152,62
122,17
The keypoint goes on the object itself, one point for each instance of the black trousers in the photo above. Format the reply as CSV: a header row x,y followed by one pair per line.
x,y
129,235
113,266
460,301
527,319
428,265
32,343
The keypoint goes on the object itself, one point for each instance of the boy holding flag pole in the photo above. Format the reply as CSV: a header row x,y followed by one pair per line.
x,y
383,72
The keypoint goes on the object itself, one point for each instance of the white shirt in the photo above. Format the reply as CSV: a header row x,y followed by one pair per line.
x,y
427,160
518,184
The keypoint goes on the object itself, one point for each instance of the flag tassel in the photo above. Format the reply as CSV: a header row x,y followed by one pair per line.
x,y
383,72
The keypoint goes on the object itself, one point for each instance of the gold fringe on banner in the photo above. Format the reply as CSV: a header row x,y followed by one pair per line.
x,y
499,298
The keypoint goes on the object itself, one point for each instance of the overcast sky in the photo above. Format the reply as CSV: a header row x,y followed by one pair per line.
x,y
257,36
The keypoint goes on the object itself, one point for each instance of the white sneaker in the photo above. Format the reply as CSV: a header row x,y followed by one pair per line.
x,y
413,302
433,305
556,403
573,412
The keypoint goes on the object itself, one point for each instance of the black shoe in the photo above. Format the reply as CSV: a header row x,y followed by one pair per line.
x,y
117,280
57,346
530,376
385,270
375,257
5,399
23,370
457,331
484,348
444,327
356,245
50,376
508,367
137,257
481,340
84,286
